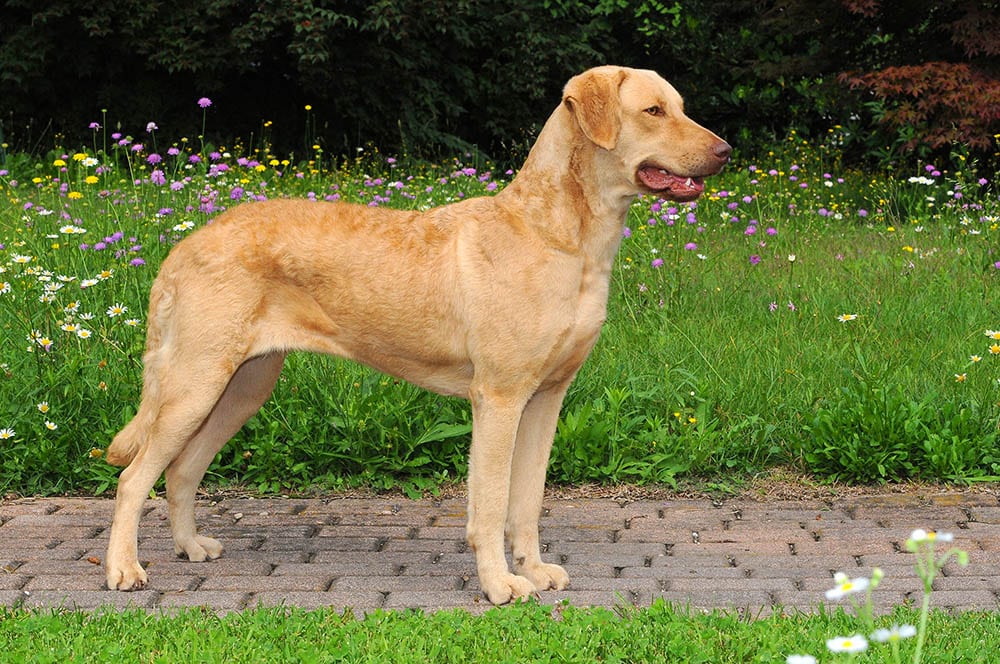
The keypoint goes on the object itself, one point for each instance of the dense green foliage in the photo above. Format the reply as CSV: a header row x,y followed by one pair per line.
x,y
430,77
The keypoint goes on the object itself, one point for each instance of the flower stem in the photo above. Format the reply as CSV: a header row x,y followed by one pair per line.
x,y
922,628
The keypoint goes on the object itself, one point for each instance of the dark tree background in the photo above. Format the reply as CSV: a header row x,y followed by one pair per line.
x,y
435,76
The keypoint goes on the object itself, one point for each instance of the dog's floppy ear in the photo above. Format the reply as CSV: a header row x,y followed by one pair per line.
x,y
592,98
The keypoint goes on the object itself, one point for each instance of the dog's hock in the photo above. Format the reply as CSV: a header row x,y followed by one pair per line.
x,y
592,99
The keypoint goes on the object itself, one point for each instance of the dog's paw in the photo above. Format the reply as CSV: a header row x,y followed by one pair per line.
x,y
127,577
545,576
199,549
507,587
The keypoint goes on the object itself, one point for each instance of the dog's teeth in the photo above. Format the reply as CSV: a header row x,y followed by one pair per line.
x,y
688,182
664,171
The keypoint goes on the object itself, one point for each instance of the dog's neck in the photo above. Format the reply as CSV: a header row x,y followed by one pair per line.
x,y
562,183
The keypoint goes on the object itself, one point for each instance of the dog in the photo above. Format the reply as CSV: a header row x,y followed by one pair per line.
x,y
498,299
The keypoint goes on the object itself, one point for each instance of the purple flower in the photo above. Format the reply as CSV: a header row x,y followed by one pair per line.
x,y
750,230
772,307
154,158
771,230
151,127
94,125
204,102
754,259
236,194
657,263
997,265
690,246
173,152
862,212
136,262
626,232
157,177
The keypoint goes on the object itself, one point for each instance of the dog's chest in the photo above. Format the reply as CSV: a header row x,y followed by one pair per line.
x,y
583,328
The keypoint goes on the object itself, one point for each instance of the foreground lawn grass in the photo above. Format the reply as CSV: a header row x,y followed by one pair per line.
x,y
522,633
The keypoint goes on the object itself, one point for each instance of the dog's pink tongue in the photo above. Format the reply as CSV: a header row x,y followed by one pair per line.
x,y
658,179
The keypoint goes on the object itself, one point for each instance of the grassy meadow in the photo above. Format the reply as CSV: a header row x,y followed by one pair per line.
x,y
799,314
523,633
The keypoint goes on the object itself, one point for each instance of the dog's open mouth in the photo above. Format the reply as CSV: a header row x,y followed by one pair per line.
x,y
668,185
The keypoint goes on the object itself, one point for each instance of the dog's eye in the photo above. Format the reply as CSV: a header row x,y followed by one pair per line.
x,y
654,110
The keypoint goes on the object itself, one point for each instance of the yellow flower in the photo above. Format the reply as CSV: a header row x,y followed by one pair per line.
x,y
79,156
843,318
960,378
74,195
92,179
96,453
995,349
43,407
59,163
908,248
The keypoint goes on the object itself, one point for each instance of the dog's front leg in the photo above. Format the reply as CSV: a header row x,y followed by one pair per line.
x,y
527,488
495,420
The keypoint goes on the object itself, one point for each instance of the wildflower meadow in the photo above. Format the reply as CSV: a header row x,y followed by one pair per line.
x,y
799,314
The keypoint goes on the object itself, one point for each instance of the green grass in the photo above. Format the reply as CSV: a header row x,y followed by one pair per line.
x,y
523,633
724,353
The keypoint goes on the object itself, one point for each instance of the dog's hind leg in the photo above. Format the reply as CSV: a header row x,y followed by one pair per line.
x,y
246,392
184,401
527,488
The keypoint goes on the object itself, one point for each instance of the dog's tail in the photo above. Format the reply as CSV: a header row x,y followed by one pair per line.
x,y
130,440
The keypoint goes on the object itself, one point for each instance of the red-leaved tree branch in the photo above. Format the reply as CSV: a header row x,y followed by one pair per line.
x,y
939,102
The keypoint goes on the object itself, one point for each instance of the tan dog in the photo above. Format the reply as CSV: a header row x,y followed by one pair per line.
x,y
498,299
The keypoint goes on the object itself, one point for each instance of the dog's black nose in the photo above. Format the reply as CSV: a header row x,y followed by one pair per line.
x,y
722,150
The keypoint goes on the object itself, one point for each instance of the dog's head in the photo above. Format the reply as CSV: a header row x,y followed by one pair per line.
x,y
639,117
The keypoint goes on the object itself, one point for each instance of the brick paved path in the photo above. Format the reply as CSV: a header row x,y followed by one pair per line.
x,y
753,557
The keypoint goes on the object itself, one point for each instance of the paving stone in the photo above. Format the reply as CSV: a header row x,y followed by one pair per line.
x,y
753,558
258,584
220,601
358,602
